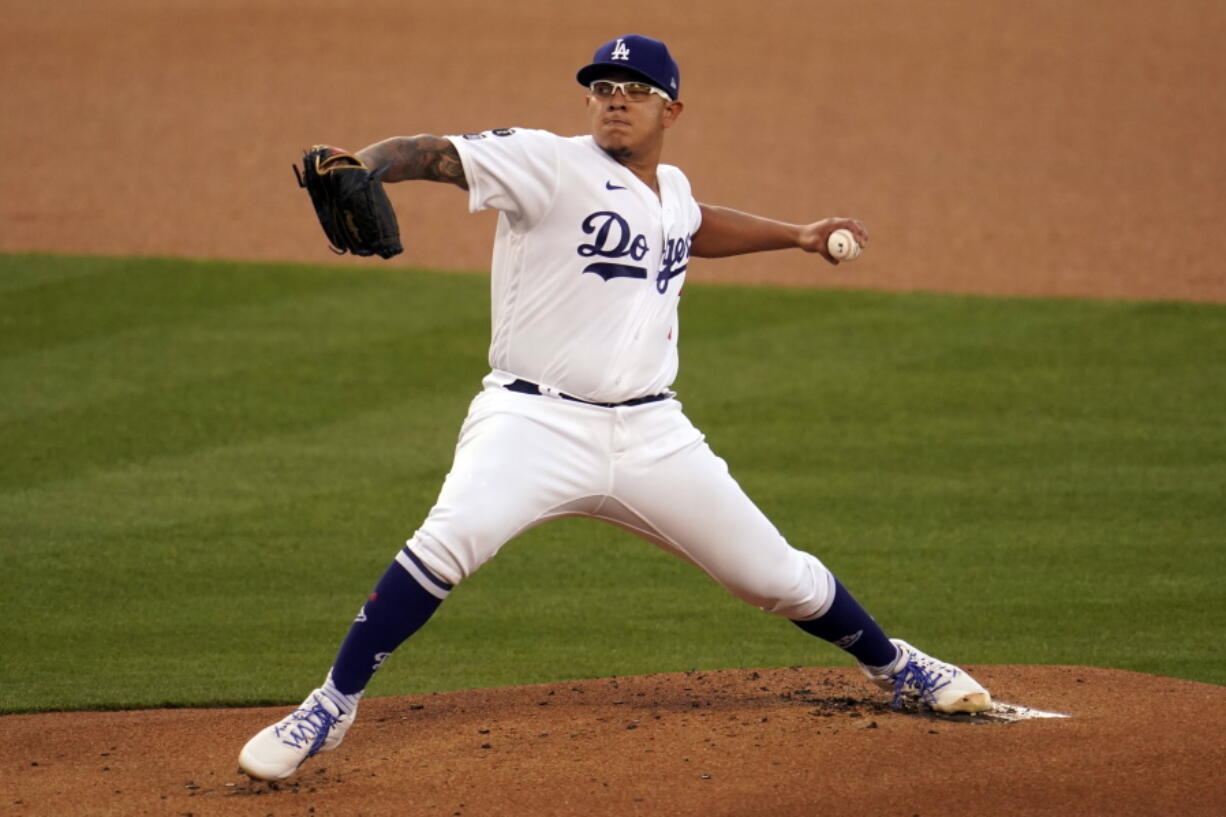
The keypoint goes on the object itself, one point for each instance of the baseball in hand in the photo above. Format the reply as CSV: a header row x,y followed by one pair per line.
x,y
843,245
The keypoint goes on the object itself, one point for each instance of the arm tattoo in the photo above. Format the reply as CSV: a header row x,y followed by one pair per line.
x,y
418,157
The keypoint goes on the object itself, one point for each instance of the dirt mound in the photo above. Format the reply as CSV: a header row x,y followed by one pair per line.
x,y
777,742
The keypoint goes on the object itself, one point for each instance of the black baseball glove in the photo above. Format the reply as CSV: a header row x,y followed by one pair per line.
x,y
350,202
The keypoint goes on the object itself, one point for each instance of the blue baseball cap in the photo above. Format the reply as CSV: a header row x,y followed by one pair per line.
x,y
644,57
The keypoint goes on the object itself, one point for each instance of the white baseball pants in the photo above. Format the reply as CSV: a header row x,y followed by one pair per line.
x,y
524,459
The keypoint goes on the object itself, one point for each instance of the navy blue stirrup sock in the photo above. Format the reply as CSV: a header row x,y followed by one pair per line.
x,y
849,627
397,608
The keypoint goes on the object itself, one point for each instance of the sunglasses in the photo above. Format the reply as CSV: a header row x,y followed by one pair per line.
x,y
633,91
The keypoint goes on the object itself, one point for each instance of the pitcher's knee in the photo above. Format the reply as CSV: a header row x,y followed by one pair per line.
x,y
451,559
800,591
455,545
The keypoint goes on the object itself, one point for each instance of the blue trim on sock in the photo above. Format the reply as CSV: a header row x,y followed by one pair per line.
x,y
442,585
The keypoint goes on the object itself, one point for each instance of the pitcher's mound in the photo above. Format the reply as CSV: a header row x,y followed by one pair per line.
x,y
800,741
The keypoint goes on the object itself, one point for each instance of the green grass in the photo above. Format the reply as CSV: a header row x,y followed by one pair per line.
x,y
205,466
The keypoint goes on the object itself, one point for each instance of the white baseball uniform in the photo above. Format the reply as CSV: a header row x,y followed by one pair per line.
x,y
588,263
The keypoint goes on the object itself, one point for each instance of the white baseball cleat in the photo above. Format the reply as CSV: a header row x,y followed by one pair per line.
x,y
278,750
916,675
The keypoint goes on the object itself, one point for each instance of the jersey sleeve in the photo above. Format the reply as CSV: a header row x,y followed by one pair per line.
x,y
513,170
690,209
695,215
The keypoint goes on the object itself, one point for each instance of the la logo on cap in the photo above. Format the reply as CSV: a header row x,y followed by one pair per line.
x,y
620,51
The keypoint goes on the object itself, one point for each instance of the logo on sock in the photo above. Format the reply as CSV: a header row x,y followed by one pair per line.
x,y
380,657
361,615
847,641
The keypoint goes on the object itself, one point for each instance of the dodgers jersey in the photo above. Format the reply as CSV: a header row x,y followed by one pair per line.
x,y
587,266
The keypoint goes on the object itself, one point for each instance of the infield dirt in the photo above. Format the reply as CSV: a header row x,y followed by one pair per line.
x,y
781,742
1040,148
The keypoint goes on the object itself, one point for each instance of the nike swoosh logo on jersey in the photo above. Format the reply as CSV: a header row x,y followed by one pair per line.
x,y
611,186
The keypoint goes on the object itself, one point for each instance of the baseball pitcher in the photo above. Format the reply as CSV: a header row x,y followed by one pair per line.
x,y
576,416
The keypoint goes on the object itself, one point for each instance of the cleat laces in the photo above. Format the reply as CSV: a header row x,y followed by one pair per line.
x,y
306,726
916,678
